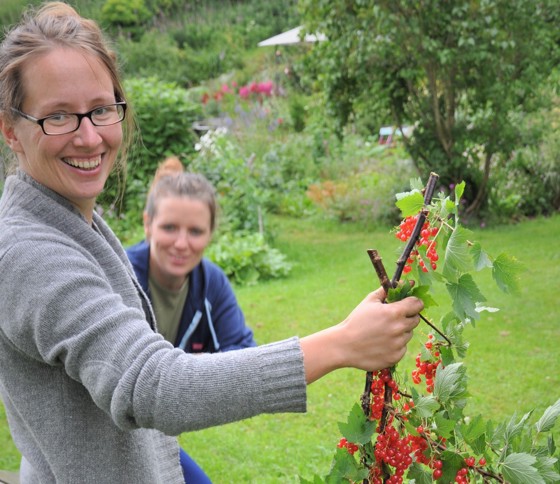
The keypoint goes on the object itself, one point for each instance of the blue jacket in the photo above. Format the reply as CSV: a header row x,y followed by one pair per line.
x,y
212,320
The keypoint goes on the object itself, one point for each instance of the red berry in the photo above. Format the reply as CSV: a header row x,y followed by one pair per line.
x,y
437,473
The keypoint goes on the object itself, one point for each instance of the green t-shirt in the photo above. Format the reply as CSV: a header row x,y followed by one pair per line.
x,y
168,307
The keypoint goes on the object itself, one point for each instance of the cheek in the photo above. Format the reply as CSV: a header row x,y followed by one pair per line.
x,y
115,138
200,245
160,241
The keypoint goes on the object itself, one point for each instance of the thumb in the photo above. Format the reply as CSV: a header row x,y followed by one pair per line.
x,y
378,294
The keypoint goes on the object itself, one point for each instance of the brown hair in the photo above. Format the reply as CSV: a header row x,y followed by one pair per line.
x,y
55,24
172,180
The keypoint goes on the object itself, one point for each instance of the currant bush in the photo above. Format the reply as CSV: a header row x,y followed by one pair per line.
x,y
412,427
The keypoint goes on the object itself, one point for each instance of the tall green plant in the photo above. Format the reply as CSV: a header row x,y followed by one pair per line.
x,y
414,426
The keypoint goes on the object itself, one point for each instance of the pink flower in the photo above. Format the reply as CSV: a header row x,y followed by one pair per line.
x,y
244,92
265,88
225,89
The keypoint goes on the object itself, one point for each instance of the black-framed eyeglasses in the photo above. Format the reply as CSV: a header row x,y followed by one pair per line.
x,y
65,123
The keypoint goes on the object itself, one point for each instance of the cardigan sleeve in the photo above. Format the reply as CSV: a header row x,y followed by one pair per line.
x,y
60,308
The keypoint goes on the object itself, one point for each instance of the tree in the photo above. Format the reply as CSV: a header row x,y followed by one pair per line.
x,y
458,71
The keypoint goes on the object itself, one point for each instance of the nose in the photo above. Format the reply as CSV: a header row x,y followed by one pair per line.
x,y
182,240
87,134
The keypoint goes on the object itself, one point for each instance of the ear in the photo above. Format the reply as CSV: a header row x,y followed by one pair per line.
x,y
147,230
9,134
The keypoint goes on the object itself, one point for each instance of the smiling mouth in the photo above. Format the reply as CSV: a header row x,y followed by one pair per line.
x,y
179,259
82,164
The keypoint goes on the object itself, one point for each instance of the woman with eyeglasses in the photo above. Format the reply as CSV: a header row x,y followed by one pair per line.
x,y
92,392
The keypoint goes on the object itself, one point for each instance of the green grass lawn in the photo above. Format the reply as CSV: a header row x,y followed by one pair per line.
x,y
512,363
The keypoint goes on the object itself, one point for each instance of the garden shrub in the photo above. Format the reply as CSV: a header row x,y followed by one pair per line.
x,y
154,55
241,199
129,15
297,114
528,185
247,258
366,193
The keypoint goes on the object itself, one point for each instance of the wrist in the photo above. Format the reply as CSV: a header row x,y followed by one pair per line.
x,y
323,352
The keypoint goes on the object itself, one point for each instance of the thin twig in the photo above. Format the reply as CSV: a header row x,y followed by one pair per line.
x,y
428,194
431,325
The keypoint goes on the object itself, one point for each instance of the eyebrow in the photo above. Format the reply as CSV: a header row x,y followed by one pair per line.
x,y
67,107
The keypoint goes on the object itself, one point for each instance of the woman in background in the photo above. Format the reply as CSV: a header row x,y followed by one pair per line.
x,y
195,307
194,303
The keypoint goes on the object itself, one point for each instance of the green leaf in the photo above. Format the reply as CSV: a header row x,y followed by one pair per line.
x,y
474,429
457,259
513,429
358,429
417,184
474,434
400,292
423,293
410,203
459,189
545,466
506,270
450,382
419,474
480,258
518,469
453,462
444,426
345,468
425,407
548,419
465,294
551,446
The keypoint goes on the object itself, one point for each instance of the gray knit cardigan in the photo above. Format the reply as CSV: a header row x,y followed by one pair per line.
x,y
92,393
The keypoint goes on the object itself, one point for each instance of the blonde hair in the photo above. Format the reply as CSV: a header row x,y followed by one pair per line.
x,y
171,180
54,25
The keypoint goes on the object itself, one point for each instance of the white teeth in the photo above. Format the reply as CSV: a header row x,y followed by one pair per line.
x,y
84,164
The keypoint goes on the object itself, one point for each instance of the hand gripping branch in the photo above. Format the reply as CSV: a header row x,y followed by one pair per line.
x,y
389,284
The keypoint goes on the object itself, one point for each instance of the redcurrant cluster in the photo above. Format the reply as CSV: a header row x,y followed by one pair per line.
x,y
427,368
391,450
437,466
380,379
426,239
352,448
462,474
419,445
